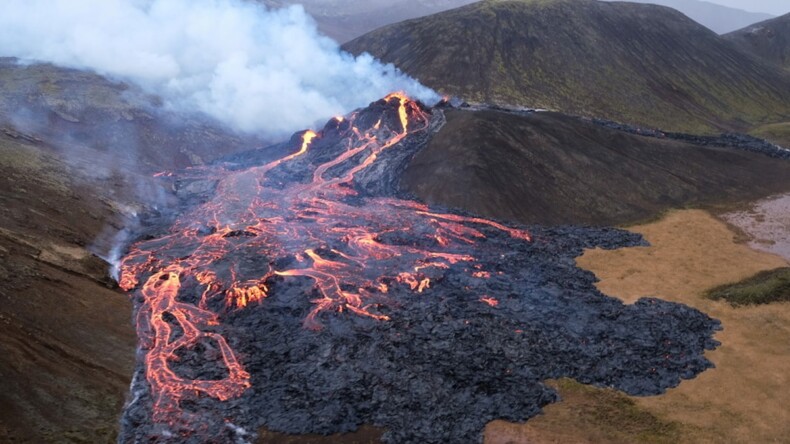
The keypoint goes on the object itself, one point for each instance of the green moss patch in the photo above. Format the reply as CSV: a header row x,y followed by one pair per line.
x,y
764,288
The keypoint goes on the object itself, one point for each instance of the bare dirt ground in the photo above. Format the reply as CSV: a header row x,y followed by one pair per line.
x,y
66,339
744,399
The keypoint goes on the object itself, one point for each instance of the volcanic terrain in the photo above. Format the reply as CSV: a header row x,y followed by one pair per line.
x,y
308,295
333,276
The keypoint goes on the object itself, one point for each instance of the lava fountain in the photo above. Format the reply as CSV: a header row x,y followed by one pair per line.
x,y
319,232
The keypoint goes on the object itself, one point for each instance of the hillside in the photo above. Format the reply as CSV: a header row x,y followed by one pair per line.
x,y
77,153
629,62
769,40
550,168
718,18
67,338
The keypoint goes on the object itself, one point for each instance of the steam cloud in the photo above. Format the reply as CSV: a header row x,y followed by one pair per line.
x,y
259,70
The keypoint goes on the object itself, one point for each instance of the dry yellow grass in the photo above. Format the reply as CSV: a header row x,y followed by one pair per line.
x,y
745,399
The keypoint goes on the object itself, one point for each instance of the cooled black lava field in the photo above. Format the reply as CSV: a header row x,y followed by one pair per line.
x,y
302,292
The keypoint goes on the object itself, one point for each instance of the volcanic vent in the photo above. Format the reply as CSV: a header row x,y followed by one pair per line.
x,y
302,292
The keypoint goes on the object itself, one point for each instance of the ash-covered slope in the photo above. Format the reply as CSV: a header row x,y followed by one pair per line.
x,y
634,63
550,168
769,40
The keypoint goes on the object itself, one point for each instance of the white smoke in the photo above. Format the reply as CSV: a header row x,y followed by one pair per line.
x,y
259,70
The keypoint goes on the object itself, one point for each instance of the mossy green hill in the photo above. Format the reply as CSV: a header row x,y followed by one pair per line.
x,y
636,63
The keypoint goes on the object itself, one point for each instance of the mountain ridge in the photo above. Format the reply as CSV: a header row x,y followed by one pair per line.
x,y
769,40
639,64
718,18
344,21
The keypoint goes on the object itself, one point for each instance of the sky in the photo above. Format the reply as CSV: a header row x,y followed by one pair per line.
x,y
775,7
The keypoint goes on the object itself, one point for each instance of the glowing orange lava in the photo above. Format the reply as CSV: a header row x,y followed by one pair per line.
x,y
161,291
490,301
352,253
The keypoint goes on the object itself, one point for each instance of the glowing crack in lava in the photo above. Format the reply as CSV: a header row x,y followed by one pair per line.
x,y
336,244
300,290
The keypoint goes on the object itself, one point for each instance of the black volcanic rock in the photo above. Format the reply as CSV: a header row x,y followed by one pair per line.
x,y
448,363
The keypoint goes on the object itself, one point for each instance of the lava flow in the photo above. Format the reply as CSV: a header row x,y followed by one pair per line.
x,y
354,248
300,290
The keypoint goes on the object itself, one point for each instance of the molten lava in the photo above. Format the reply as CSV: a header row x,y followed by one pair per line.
x,y
354,249
301,291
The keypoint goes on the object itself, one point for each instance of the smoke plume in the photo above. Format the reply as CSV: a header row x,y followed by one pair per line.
x,y
259,70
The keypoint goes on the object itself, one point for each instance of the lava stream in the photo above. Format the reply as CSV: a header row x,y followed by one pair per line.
x,y
354,249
